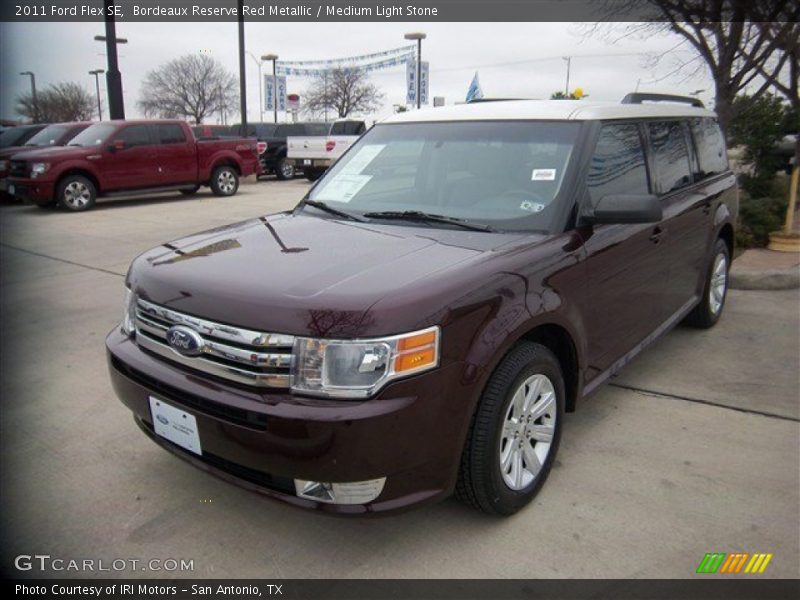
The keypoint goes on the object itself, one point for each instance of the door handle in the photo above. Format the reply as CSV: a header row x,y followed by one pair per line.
x,y
655,237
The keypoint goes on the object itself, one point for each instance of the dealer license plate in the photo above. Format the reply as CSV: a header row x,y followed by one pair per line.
x,y
175,425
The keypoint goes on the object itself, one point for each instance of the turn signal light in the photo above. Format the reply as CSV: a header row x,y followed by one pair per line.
x,y
416,351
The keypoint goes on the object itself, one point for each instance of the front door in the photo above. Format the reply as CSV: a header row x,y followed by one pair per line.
x,y
131,165
626,265
177,156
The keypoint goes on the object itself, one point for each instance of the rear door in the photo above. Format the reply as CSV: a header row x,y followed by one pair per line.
x,y
687,212
133,166
626,265
177,155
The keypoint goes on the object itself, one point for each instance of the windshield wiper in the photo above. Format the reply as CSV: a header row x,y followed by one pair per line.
x,y
77,145
334,211
416,215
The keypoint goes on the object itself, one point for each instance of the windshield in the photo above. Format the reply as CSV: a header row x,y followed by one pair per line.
x,y
94,135
49,136
11,137
502,174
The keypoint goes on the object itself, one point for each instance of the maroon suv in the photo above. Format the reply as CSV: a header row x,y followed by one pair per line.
x,y
421,321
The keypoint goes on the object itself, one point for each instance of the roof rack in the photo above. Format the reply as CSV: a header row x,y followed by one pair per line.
x,y
639,97
477,100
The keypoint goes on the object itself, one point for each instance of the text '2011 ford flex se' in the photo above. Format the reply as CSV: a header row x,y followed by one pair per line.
x,y
419,324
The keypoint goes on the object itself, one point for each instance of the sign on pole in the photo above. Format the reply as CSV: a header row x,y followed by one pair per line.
x,y
411,82
281,93
269,92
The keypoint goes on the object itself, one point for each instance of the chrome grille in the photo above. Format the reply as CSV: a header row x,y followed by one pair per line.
x,y
241,355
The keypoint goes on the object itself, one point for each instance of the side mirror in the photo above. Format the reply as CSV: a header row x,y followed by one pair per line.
x,y
624,208
116,145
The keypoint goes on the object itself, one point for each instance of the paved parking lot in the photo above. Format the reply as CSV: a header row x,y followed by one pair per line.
x,y
694,448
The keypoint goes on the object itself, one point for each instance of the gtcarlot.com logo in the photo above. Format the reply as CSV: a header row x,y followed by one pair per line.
x,y
45,562
734,563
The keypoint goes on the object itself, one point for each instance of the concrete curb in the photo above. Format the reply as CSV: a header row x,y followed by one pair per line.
x,y
783,279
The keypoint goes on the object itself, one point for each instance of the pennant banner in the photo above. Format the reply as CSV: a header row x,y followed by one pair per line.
x,y
365,68
332,63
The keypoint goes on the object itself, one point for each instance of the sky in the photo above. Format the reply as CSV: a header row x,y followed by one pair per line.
x,y
512,59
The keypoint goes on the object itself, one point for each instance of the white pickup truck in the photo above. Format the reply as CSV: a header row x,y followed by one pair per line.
x,y
313,155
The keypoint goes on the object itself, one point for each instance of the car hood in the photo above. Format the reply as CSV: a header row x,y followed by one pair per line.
x,y
301,274
49,152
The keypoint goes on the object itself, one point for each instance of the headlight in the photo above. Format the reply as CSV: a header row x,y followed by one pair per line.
x,y
361,367
39,168
128,324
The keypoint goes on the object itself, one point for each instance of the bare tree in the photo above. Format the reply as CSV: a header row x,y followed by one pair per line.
x,y
193,86
727,38
343,91
58,103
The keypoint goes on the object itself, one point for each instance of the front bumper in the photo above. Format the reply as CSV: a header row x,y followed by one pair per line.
x,y
411,433
36,190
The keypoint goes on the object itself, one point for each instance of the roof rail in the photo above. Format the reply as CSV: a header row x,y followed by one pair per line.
x,y
639,97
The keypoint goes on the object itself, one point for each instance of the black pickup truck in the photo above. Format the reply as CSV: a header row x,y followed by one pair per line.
x,y
273,159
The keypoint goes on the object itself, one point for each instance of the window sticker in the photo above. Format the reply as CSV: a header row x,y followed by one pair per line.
x,y
543,175
343,187
364,156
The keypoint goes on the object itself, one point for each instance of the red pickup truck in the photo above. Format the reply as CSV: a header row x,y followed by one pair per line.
x,y
121,157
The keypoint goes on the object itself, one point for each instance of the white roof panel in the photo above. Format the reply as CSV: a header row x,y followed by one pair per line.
x,y
558,110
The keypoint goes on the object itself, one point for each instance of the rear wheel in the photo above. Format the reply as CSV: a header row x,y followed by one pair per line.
x,y
224,181
75,193
514,435
285,169
190,191
313,174
709,310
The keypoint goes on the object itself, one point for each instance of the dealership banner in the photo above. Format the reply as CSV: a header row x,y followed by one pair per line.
x,y
353,10
274,91
411,82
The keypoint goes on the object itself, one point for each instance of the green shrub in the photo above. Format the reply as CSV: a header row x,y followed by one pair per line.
x,y
758,217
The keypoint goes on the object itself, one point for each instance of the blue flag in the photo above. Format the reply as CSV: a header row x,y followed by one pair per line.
x,y
474,92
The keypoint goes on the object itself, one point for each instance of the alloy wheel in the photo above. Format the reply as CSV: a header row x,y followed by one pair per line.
x,y
77,195
718,285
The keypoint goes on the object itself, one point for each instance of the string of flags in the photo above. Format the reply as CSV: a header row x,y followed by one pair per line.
x,y
365,63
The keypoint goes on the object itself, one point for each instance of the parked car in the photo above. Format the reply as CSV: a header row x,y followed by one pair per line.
x,y
422,320
315,154
11,140
119,157
57,134
273,138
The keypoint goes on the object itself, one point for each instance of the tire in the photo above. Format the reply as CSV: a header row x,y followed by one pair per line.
x,y
715,290
75,193
482,482
190,191
284,169
313,174
224,181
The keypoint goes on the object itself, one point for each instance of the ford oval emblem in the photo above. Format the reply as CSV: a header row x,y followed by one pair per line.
x,y
184,340
162,419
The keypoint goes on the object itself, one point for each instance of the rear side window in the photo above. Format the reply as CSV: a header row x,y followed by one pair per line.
x,y
135,135
348,128
170,134
712,155
618,165
670,155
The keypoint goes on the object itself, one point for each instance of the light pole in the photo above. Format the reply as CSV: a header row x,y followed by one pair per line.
x,y
97,73
274,59
116,105
569,63
418,36
259,63
33,95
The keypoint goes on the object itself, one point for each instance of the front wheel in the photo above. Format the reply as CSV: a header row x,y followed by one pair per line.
x,y
285,169
709,310
76,193
224,181
515,431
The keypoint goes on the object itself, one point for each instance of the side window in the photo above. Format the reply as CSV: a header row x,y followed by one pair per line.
x,y
710,143
670,155
172,134
618,165
135,135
